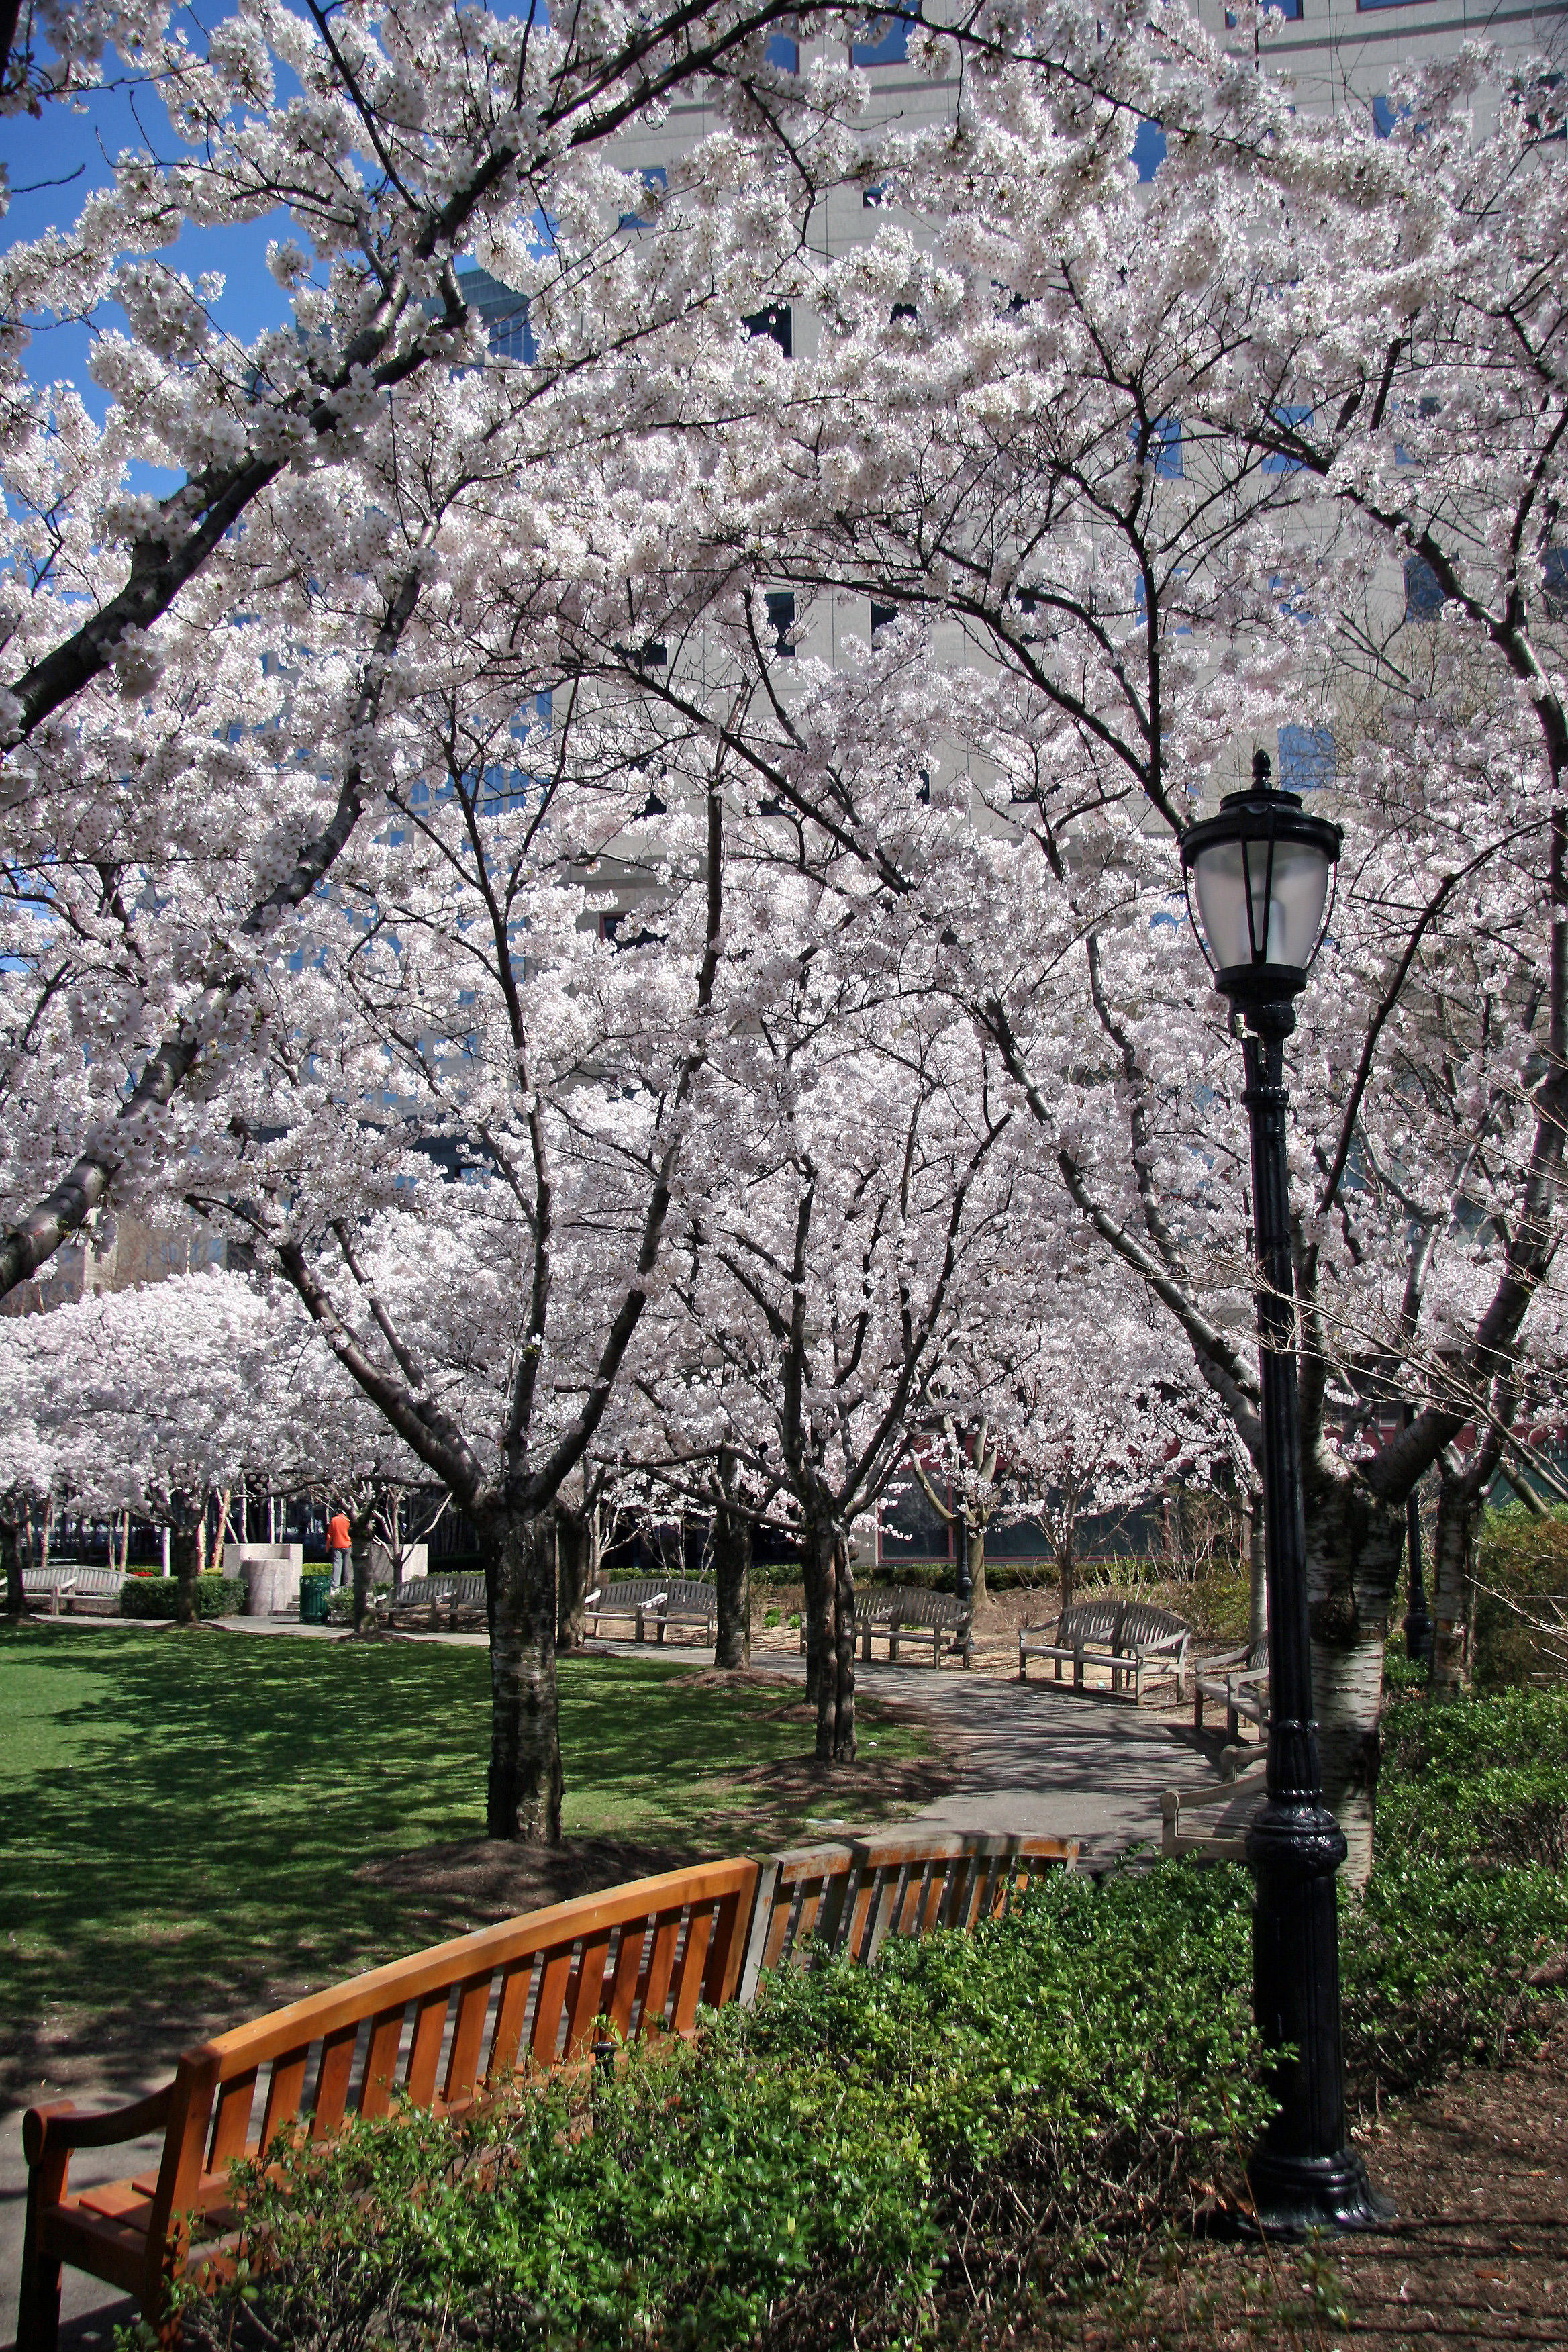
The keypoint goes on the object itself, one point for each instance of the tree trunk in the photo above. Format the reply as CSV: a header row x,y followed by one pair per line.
x,y
1256,1572
1454,1557
523,1799
1355,1546
732,1589
1064,1570
972,1534
822,1643
844,1653
360,1563
48,1534
187,1547
15,1602
577,1549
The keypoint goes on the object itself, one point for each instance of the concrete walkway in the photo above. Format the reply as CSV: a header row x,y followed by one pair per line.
x,y
1039,1757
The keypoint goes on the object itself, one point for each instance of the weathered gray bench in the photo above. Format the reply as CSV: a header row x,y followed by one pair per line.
x,y
1226,1840
72,1584
658,1600
1134,1641
896,1609
457,1595
1237,1680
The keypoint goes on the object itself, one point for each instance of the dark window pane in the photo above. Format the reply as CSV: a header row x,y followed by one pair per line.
x,y
882,615
780,604
777,323
1554,582
783,53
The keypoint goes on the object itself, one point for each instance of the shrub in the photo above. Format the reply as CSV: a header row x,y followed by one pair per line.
x,y
216,1596
1478,1780
824,2167
1520,1555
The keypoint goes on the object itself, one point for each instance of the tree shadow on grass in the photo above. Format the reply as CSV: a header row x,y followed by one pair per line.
x,y
199,1826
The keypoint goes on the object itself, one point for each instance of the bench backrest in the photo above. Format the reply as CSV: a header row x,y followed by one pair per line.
x,y
526,1995
687,1593
1090,1621
916,1605
850,1897
627,1592
1143,1623
81,1580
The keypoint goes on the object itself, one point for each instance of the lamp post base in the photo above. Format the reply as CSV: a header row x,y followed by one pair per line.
x,y
1291,2195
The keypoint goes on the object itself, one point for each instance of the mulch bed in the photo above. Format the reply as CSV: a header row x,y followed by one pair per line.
x,y
1478,2254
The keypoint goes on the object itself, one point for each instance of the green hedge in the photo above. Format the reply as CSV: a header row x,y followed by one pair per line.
x,y
805,2171
1521,1555
870,2153
154,1596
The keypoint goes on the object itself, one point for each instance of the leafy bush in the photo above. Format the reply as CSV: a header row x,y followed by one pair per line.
x,y
1520,1555
1478,1780
820,2168
216,1596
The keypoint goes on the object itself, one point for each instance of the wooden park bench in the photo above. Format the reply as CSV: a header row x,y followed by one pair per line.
x,y
1132,1639
659,1601
74,1585
443,2027
1224,1841
896,1610
1237,1680
462,1595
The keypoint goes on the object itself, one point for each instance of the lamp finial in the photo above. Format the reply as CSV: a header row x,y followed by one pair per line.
x,y
1262,772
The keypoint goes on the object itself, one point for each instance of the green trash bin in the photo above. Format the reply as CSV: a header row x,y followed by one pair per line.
x,y
313,1591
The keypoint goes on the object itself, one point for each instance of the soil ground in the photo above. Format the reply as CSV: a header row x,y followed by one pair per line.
x,y
1477,2168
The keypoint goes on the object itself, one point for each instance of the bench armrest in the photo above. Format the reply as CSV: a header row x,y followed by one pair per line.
x,y
48,2130
589,1598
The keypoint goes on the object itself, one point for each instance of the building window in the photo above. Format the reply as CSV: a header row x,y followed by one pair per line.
x,y
1290,10
882,617
1287,420
777,323
1364,4
1149,150
872,199
889,32
1554,582
780,605
1306,757
783,53
1424,598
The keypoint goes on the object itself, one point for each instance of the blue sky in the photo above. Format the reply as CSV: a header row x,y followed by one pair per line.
x,y
78,150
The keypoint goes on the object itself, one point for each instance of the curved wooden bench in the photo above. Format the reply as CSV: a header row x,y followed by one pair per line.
x,y
1131,1638
434,2029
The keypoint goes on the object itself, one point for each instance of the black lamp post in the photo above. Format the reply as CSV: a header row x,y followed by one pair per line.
x,y
1261,871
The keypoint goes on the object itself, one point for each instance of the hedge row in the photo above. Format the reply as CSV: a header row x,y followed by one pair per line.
x,y
154,1596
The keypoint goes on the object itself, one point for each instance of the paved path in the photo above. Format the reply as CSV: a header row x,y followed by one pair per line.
x,y
1038,1758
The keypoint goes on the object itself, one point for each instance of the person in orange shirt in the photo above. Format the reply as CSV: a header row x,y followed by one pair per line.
x,y
338,1543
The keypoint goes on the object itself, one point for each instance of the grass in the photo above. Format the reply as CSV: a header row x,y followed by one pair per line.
x,y
192,1822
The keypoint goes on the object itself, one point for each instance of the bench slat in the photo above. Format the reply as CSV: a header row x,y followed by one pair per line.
x,y
425,2055
468,2038
379,2079
333,2077
231,2127
589,1993
516,1984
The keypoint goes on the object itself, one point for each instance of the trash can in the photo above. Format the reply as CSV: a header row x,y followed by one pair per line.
x,y
313,1591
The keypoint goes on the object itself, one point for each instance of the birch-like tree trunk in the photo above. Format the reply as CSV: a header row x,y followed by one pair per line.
x,y
1355,1545
1257,1571
972,1534
1461,1500
844,1652
187,1533
523,1795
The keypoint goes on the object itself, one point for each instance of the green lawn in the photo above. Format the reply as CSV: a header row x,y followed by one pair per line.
x,y
187,1819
